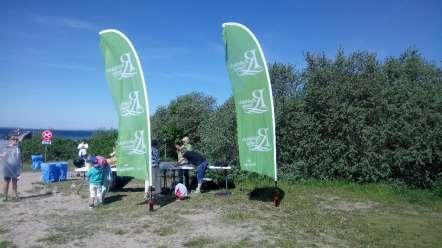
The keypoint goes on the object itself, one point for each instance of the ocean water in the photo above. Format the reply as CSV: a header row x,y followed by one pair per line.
x,y
64,134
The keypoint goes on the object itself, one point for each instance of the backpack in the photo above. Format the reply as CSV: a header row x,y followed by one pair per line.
x,y
180,191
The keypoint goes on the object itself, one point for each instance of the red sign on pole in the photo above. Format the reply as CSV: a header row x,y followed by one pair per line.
x,y
46,137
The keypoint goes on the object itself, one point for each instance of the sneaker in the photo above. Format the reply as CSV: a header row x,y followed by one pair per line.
x,y
197,191
91,206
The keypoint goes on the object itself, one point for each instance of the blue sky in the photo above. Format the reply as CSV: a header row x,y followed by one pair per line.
x,y
51,67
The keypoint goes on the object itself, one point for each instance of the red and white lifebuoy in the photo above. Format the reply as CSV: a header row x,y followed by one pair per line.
x,y
46,135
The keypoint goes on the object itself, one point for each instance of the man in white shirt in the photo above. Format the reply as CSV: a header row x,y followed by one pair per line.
x,y
82,149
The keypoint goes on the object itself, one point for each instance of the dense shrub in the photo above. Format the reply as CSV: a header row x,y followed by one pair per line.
x,y
182,117
218,137
60,149
102,142
367,121
351,117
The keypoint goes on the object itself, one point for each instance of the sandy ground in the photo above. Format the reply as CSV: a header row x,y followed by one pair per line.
x,y
47,217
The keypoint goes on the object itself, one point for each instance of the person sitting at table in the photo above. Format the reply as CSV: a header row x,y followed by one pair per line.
x,y
186,144
200,162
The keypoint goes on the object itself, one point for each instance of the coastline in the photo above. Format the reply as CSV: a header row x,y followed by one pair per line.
x,y
64,134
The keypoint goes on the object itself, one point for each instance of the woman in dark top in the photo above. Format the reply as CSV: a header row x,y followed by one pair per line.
x,y
197,159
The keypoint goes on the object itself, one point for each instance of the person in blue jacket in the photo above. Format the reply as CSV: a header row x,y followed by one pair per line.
x,y
95,176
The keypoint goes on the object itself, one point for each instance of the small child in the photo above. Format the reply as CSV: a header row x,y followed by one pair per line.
x,y
95,176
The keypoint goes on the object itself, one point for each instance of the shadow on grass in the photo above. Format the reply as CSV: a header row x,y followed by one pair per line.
x,y
35,196
120,182
165,200
113,198
266,194
137,189
160,200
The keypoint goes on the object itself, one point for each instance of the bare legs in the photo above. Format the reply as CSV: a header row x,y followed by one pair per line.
x,y
6,187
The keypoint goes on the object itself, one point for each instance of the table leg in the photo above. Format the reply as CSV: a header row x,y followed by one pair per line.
x,y
225,176
173,179
164,179
186,178
226,192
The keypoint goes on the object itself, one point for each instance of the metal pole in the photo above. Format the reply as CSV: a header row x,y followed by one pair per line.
x,y
165,149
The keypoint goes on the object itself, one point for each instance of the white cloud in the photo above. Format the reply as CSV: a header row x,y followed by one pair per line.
x,y
72,67
64,22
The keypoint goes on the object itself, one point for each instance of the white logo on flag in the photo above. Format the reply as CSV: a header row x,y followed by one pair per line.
x,y
255,105
249,66
125,69
258,143
132,106
249,163
135,146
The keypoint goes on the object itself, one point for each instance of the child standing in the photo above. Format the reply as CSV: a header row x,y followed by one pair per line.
x,y
95,176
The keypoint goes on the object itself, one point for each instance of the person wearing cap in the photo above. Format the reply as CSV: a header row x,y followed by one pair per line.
x,y
95,176
186,145
12,164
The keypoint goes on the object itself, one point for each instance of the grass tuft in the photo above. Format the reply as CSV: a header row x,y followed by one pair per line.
x,y
7,244
198,242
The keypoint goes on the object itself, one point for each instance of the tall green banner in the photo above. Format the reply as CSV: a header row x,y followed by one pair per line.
x,y
126,82
252,92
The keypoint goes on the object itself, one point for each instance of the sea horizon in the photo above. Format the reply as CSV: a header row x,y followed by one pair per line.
x,y
57,133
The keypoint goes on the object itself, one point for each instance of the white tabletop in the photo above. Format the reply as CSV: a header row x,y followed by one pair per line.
x,y
220,168
83,169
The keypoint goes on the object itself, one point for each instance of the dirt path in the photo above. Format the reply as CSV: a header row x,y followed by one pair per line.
x,y
57,215
51,216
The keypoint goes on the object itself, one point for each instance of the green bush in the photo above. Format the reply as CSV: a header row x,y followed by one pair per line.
x,y
102,142
60,149
367,121
182,117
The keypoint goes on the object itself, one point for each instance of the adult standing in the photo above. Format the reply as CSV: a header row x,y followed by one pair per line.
x,y
82,149
12,164
186,145
201,166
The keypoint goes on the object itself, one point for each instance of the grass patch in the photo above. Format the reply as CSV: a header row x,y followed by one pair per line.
x,y
242,243
55,238
239,216
312,213
3,230
165,231
198,242
120,231
7,244
330,214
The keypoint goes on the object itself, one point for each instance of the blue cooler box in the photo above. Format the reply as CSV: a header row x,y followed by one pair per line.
x,y
62,170
49,172
37,159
